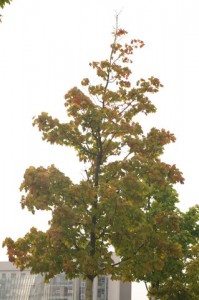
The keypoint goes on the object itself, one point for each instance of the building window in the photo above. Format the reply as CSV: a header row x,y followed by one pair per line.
x,y
65,291
102,290
13,275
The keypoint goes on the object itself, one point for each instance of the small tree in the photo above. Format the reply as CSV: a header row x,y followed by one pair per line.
x,y
179,278
127,200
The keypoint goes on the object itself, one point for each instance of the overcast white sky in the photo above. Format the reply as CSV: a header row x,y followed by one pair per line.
x,y
45,48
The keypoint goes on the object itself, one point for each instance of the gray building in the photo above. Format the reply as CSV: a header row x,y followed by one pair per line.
x,y
21,285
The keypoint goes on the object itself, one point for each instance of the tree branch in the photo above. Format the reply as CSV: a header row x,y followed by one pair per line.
x,y
110,62
128,258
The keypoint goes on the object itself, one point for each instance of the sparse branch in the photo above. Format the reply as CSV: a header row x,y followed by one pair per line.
x,y
87,175
146,286
128,258
85,149
110,140
110,61
126,107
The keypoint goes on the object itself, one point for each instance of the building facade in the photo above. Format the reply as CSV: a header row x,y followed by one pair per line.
x,y
21,285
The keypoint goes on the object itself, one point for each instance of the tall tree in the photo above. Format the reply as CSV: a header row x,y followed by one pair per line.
x,y
126,202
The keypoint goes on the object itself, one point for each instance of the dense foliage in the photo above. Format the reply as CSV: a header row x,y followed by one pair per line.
x,y
126,202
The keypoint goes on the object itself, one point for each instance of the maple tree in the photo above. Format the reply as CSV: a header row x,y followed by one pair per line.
x,y
127,202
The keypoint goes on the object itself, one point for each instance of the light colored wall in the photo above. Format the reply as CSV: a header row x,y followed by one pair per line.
x,y
113,290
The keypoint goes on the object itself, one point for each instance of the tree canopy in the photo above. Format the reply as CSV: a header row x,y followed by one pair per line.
x,y
179,277
126,203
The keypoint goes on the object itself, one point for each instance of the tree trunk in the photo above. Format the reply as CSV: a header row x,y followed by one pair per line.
x,y
89,289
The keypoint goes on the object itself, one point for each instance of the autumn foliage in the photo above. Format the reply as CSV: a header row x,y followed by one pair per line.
x,y
127,202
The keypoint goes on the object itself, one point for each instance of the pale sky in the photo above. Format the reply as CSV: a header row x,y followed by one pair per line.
x,y
45,48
